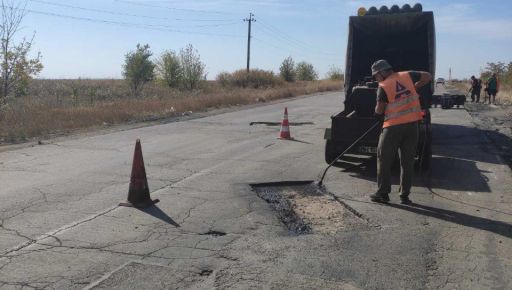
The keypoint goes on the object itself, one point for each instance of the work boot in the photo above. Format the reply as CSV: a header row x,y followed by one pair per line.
x,y
379,197
404,199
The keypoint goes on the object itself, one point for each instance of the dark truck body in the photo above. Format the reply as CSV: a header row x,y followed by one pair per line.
x,y
407,41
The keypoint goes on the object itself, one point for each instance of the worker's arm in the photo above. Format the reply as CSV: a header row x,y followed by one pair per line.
x,y
382,100
425,78
380,108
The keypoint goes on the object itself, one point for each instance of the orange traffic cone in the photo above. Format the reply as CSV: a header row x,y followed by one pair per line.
x,y
285,127
138,194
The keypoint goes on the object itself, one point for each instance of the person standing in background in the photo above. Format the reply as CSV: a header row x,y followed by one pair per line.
x,y
476,88
493,88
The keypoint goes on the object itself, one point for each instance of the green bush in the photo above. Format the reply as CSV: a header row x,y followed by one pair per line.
x,y
335,74
168,68
192,68
256,78
224,79
306,72
287,69
138,69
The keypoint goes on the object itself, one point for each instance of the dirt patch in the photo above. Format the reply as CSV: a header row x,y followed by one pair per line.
x,y
306,209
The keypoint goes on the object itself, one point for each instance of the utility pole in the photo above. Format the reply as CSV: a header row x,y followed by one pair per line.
x,y
250,20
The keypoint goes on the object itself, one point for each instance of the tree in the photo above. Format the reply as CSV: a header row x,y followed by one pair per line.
x,y
17,67
138,68
306,72
192,69
287,69
498,68
335,74
169,69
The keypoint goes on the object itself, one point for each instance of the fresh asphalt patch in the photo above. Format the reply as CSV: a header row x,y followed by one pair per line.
x,y
305,208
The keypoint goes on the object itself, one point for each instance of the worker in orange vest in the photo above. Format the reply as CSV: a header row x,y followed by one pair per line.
x,y
399,104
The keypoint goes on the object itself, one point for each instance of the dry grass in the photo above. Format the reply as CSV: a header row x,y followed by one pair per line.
x,y
461,86
60,107
505,95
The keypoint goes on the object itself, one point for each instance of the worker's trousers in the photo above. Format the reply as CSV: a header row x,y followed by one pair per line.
x,y
403,139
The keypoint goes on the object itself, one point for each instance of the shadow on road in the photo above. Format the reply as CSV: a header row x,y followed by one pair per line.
x,y
447,173
471,143
154,211
457,150
497,227
299,141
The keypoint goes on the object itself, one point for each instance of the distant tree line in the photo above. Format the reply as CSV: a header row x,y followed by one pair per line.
x,y
304,71
185,70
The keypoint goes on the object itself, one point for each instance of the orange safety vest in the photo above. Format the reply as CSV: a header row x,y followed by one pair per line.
x,y
404,102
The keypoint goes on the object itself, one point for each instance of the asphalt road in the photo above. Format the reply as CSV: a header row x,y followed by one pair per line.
x,y
62,228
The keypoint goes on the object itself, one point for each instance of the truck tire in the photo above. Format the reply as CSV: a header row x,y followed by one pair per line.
x,y
330,151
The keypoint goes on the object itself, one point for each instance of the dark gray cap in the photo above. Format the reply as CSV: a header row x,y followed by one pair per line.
x,y
380,65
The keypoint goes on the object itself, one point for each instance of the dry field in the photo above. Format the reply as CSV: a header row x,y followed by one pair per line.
x,y
505,95
58,107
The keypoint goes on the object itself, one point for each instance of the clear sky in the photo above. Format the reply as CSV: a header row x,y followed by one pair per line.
x,y
89,38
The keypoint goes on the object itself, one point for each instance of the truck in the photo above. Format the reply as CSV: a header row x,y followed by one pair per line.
x,y
405,37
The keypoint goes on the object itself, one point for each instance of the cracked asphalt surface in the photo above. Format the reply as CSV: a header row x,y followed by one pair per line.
x,y
61,228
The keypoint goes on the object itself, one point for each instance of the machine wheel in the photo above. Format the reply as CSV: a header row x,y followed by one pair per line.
x,y
330,151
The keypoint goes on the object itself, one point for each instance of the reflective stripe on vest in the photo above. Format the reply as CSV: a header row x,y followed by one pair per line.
x,y
402,113
404,103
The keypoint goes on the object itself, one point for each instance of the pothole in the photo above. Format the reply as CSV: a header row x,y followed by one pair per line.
x,y
214,233
279,123
306,209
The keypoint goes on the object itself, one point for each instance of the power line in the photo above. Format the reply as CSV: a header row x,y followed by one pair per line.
x,y
284,40
128,24
285,50
95,10
284,35
273,30
122,13
294,45
172,8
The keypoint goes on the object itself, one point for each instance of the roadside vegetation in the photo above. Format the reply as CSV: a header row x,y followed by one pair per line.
x,y
154,87
171,86
61,106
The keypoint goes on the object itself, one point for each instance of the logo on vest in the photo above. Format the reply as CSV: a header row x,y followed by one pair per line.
x,y
401,90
